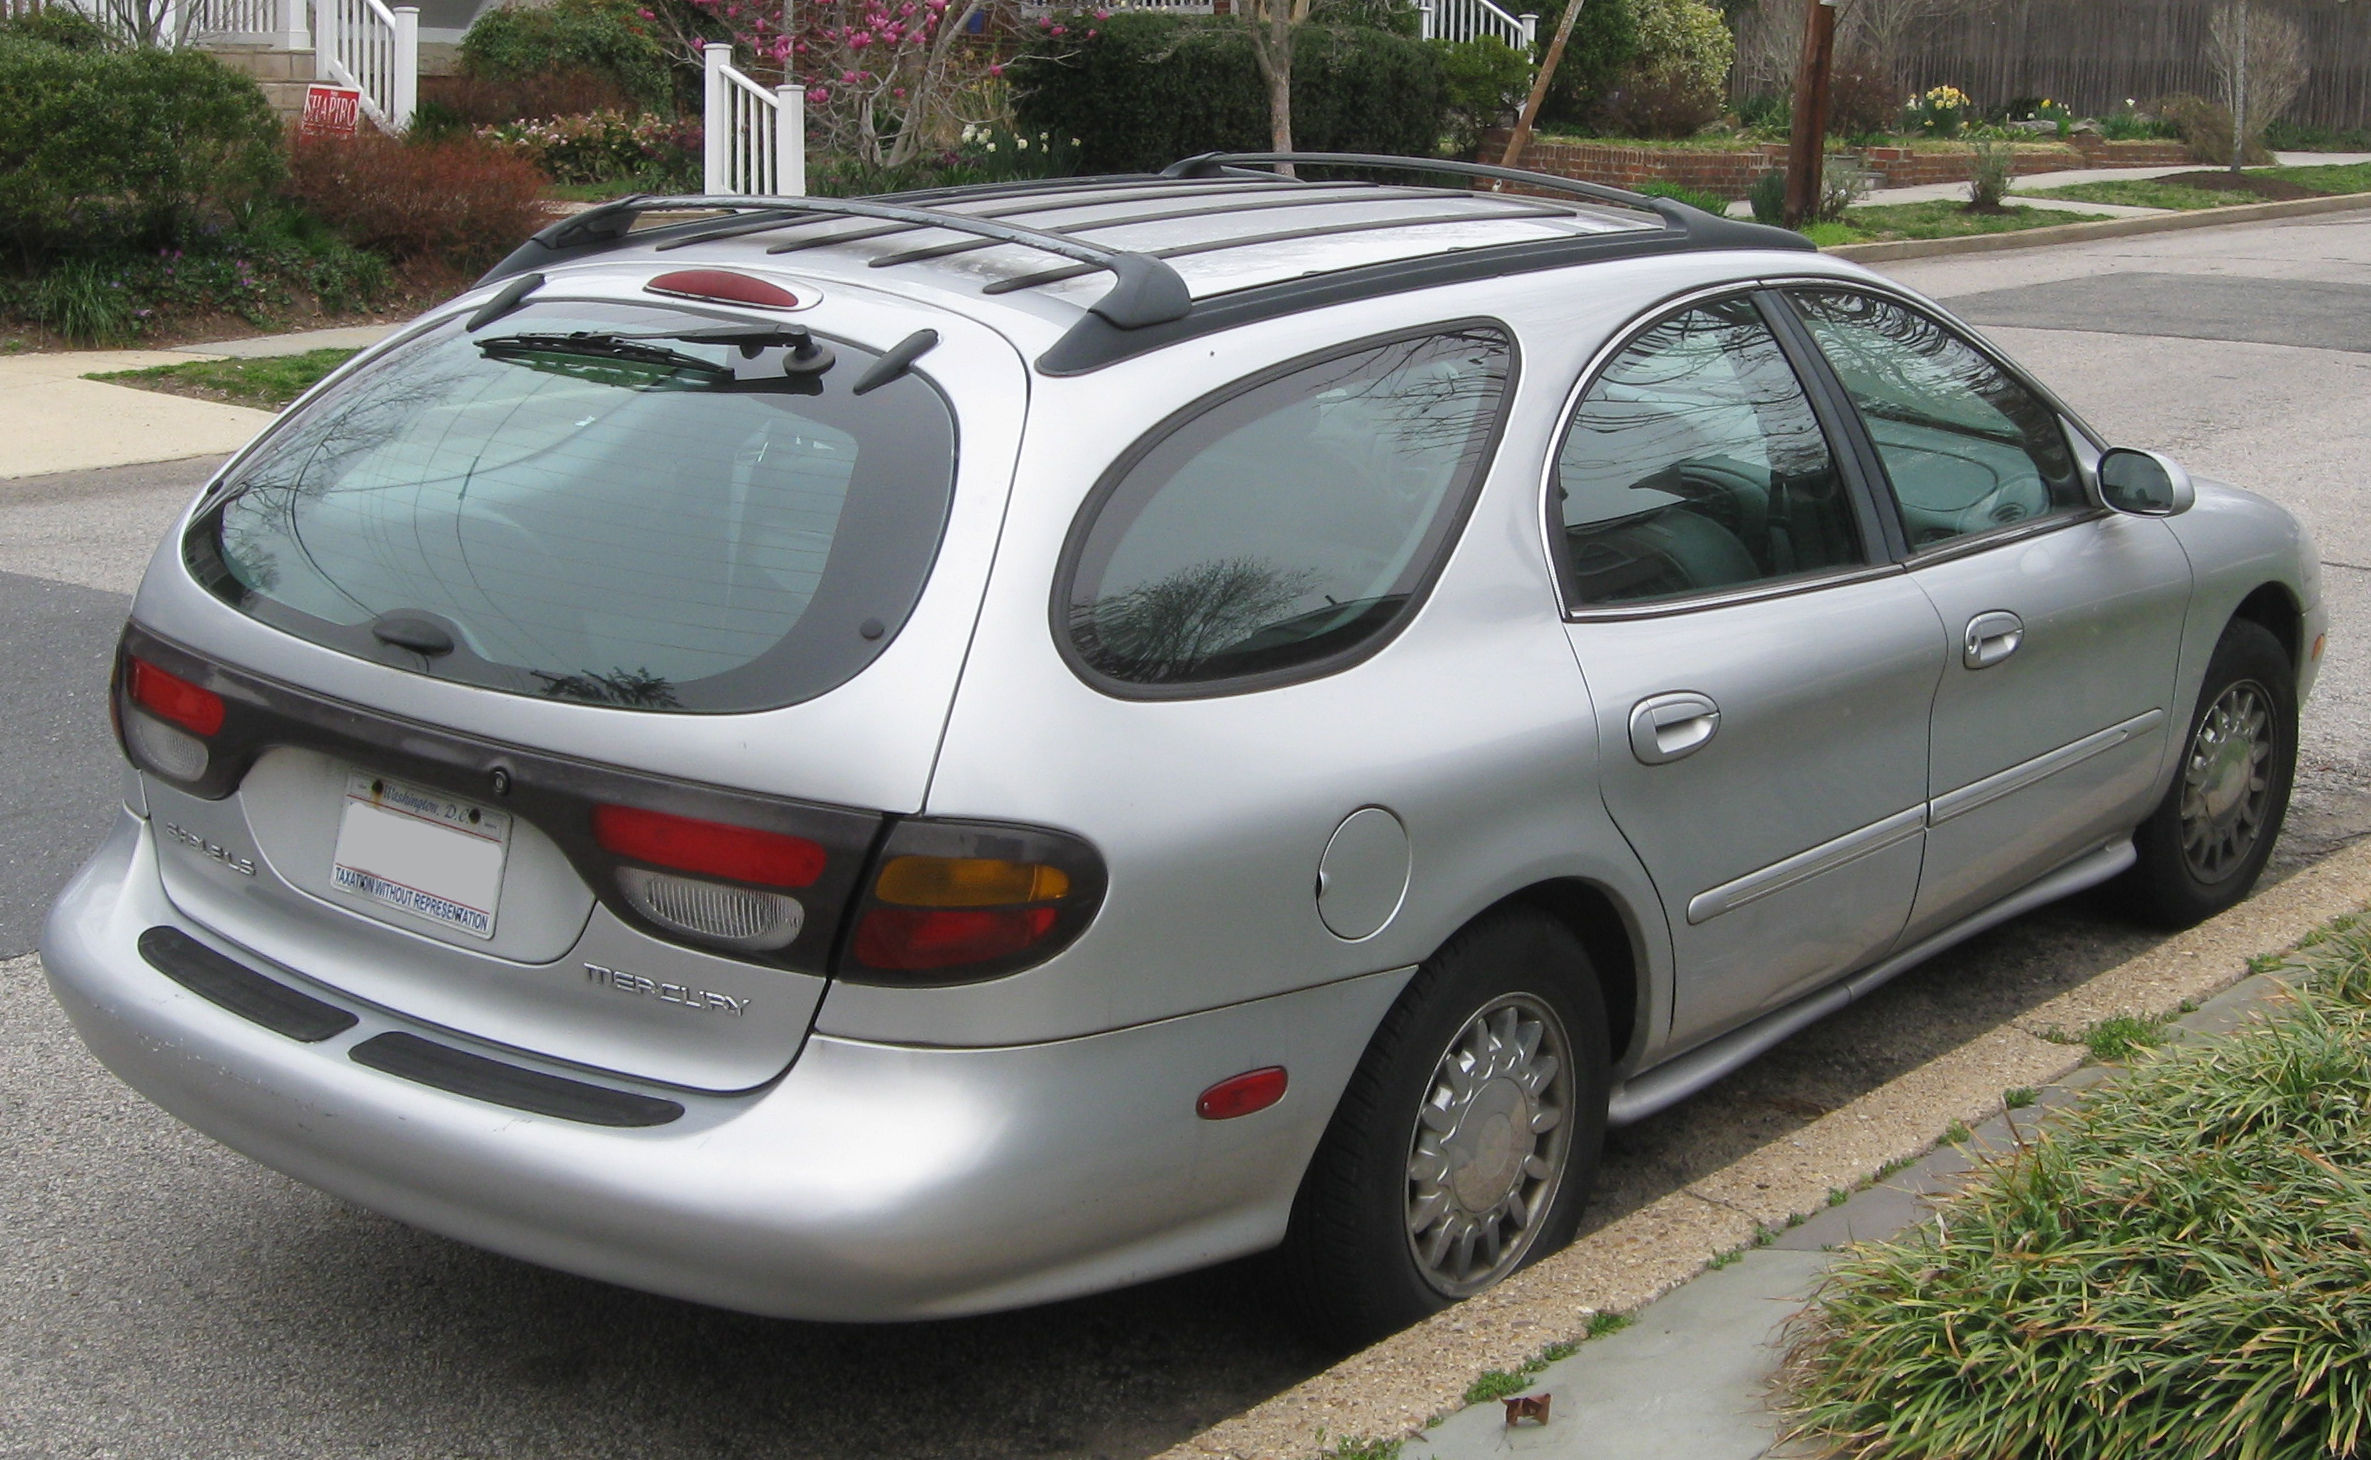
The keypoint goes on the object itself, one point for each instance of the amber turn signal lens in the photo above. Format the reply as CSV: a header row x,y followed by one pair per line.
x,y
968,882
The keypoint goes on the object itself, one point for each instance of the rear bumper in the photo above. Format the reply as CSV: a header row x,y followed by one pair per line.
x,y
871,1182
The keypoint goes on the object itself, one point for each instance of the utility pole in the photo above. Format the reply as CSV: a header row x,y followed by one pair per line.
x,y
1807,137
1539,86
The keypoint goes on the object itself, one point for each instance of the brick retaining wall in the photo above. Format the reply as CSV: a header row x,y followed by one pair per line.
x,y
1732,173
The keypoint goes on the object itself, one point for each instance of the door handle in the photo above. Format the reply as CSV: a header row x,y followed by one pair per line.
x,y
1666,727
1991,638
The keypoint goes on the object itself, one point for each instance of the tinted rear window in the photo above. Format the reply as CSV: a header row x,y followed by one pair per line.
x,y
593,507
1286,527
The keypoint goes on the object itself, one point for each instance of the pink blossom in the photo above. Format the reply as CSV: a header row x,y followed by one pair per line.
x,y
996,69
1059,30
818,94
849,78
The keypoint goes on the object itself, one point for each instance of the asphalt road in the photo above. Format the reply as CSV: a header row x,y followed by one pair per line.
x,y
162,1297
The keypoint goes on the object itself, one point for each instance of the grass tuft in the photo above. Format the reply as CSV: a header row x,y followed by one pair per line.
x,y
2182,1269
1495,1384
1957,1133
1601,1324
266,384
2121,1036
1726,1259
1363,1450
2020,1097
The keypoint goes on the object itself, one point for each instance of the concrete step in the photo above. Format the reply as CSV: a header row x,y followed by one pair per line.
x,y
264,63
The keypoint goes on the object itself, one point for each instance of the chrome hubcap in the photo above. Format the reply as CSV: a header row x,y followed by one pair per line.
x,y
2227,782
1490,1145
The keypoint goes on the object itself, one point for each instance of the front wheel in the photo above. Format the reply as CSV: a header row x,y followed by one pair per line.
x,y
2205,845
1467,1141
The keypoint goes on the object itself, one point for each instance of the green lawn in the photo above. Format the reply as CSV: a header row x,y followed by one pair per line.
x,y
2142,192
267,384
1943,218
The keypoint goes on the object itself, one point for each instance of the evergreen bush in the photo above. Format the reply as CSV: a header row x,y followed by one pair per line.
x,y
1147,89
610,38
108,148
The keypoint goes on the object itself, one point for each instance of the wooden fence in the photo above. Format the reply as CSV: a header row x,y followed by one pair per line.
x,y
2093,54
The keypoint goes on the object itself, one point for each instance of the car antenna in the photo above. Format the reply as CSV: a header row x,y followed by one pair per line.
x,y
900,359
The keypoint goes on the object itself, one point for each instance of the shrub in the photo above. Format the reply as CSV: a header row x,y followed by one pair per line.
x,y
610,38
1862,98
103,148
605,146
2205,128
1604,44
1661,101
1939,112
1841,184
1990,171
450,105
1769,198
1147,89
457,206
1768,112
1484,82
58,25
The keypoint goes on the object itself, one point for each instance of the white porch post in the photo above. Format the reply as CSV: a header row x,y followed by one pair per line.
x,y
1531,26
296,31
1429,28
716,127
325,40
406,99
790,140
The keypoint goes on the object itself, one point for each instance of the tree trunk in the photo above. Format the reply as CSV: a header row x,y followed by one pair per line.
x,y
1272,48
2239,84
1807,134
1521,137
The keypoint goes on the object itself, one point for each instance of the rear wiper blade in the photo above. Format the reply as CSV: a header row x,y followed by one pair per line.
x,y
600,347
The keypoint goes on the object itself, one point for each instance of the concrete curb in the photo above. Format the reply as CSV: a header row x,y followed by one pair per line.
x,y
1920,248
1394,1388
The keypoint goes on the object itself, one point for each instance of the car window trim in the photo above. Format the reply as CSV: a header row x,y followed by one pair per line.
x,y
1108,482
1965,543
1866,512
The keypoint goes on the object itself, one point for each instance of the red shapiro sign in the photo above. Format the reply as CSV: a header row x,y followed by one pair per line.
x,y
331,111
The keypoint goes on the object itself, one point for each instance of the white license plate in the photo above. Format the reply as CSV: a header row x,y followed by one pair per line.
x,y
421,852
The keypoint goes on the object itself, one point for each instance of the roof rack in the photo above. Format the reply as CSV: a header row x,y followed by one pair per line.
x,y
1696,225
1145,290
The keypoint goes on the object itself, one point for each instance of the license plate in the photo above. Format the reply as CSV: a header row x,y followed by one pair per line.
x,y
421,852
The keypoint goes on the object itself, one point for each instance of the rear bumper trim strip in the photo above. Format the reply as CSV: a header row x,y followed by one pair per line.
x,y
458,1072
240,989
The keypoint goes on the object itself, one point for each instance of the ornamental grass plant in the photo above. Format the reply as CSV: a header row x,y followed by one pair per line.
x,y
2181,1270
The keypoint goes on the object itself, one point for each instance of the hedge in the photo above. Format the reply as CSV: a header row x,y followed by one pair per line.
x,y
104,149
1147,89
610,38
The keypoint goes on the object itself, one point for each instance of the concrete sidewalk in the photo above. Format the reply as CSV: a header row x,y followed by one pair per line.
x,y
53,420
2040,181
1694,1377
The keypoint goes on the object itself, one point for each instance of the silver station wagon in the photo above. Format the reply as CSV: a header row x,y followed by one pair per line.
x,y
876,758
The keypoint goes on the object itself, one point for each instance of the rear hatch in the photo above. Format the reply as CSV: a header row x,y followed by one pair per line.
x,y
552,681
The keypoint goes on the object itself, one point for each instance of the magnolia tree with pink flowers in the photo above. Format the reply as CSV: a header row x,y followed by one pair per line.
x,y
888,81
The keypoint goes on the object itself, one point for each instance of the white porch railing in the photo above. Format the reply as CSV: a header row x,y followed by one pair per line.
x,y
1462,20
375,50
281,24
754,137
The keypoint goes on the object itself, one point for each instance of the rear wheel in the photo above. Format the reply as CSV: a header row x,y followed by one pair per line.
x,y
1467,1141
2204,846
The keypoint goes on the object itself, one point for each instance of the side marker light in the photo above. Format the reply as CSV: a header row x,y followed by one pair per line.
x,y
1253,1090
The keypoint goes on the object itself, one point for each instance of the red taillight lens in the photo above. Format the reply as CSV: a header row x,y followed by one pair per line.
x,y
711,848
170,697
915,938
1241,1095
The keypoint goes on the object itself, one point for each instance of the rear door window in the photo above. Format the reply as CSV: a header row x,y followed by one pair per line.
x,y
1287,527
613,504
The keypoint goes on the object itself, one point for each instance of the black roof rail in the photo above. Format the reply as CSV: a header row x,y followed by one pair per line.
x,y
1145,290
1710,229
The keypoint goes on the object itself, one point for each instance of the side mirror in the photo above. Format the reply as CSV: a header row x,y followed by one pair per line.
x,y
2144,483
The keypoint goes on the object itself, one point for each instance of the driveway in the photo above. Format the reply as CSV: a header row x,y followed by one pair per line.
x,y
162,1298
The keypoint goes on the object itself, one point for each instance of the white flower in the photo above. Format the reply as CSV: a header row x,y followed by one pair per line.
x,y
1021,144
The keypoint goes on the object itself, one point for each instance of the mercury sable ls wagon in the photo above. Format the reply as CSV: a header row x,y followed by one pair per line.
x,y
872,758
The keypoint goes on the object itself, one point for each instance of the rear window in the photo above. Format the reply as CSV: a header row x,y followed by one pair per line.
x,y
614,504
1286,527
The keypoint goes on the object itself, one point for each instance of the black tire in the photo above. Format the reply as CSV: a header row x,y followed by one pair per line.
x,y
2205,845
1349,1259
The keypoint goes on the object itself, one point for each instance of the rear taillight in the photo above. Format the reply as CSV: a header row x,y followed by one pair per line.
x,y
718,905
959,901
199,711
166,728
